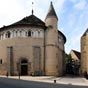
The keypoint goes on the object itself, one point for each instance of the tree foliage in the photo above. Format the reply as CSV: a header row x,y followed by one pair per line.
x,y
69,59
71,65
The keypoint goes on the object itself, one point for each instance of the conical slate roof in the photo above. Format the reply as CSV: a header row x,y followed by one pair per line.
x,y
85,32
51,11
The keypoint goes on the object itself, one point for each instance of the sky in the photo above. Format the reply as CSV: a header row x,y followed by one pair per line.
x,y
72,15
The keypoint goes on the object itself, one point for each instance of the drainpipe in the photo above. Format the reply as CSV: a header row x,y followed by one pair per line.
x,y
44,49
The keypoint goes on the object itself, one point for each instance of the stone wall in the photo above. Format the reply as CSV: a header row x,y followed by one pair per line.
x,y
84,54
22,48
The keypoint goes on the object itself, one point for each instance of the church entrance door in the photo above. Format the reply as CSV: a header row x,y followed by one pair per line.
x,y
24,67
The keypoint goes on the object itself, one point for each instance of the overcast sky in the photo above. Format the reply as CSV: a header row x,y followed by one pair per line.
x,y
72,15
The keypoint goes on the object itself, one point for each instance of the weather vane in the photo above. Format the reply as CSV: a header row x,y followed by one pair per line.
x,y
32,8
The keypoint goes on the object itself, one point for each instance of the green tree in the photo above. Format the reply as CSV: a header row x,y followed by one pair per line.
x,y
69,64
69,59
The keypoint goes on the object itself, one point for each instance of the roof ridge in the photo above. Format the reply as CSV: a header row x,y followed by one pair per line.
x,y
75,51
85,32
28,20
32,19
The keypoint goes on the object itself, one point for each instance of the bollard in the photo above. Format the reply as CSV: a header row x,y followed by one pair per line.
x,y
54,81
7,74
19,75
87,77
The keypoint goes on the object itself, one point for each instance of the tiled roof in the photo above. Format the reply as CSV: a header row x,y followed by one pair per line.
x,y
62,35
30,20
78,54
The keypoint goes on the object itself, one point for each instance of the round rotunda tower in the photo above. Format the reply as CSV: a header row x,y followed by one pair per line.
x,y
54,48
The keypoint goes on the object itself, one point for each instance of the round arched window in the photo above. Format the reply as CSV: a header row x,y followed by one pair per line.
x,y
29,33
24,61
8,34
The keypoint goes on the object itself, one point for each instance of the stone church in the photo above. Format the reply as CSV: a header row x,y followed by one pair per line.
x,y
84,53
33,47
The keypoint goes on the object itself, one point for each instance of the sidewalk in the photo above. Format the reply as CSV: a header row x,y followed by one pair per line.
x,y
50,79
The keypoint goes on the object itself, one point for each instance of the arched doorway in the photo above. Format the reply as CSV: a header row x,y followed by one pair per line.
x,y
24,67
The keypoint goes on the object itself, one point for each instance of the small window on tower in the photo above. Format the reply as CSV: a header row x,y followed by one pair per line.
x,y
0,61
87,33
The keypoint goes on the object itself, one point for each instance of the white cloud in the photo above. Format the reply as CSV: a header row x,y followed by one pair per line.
x,y
10,11
60,3
80,5
62,29
73,42
11,7
71,20
74,1
60,6
14,10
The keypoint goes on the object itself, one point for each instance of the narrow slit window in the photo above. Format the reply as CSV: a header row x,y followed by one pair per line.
x,y
0,61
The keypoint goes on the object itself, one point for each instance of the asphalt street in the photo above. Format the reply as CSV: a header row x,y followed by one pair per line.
x,y
16,83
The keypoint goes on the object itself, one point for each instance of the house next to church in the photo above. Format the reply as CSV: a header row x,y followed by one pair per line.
x,y
76,56
33,47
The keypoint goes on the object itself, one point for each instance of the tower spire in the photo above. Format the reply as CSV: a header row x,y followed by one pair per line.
x,y
32,8
51,11
51,2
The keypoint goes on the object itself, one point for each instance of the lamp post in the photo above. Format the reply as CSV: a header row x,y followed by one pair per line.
x,y
18,67
7,74
19,74
55,81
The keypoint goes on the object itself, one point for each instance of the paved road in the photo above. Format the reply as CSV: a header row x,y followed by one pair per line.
x,y
15,83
